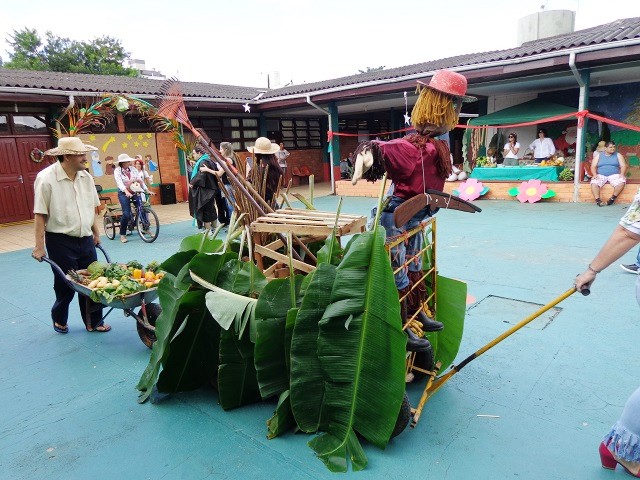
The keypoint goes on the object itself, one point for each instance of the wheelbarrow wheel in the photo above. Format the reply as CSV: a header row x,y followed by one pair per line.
x,y
404,417
147,336
109,227
425,361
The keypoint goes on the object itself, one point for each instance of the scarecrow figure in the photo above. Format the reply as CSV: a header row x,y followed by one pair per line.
x,y
415,163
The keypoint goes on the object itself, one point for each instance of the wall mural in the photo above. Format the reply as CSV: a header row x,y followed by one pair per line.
x,y
110,145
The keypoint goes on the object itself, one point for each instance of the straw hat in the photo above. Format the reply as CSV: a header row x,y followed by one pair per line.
x,y
264,145
70,146
450,83
123,157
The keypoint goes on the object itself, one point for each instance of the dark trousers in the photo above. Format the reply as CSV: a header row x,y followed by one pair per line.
x,y
125,205
72,253
221,206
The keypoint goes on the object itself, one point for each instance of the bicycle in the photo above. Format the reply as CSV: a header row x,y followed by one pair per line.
x,y
143,218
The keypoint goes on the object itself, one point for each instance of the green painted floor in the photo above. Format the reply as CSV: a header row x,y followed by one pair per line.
x,y
533,407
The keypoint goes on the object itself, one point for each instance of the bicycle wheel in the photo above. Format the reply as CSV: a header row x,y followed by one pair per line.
x,y
109,227
148,225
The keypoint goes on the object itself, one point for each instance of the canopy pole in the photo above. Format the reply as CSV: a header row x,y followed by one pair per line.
x,y
583,103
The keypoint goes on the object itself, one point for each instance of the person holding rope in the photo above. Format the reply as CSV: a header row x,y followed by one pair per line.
x,y
415,163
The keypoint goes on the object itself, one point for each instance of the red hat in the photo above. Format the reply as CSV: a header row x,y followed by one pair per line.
x,y
450,83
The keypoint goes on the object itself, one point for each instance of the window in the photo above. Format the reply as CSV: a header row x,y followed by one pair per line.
x,y
24,124
301,133
241,132
134,123
4,124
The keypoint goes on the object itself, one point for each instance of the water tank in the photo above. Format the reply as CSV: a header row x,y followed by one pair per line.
x,y
547,23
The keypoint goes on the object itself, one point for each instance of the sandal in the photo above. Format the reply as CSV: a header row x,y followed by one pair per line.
x,y
612,200
104,328
124,239
60,328
598,202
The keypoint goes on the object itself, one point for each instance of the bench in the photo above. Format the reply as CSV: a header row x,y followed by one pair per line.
x,y
300,173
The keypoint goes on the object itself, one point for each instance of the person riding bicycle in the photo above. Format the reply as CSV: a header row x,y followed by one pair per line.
x,y
124,174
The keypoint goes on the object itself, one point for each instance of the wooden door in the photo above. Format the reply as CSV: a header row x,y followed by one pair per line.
x,y
17,174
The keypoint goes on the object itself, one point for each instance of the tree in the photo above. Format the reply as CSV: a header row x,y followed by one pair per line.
x,y
371,69
101,56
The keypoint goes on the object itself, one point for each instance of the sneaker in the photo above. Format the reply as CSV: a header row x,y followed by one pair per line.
x,y
632,268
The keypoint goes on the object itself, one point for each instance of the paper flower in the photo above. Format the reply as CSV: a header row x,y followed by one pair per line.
x,y
531,191
470,190
122,105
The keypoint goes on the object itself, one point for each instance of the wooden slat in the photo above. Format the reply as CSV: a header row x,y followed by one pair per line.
x,y
265,252
315,213
300,230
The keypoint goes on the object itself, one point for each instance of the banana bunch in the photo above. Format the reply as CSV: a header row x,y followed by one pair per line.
x,y
416,327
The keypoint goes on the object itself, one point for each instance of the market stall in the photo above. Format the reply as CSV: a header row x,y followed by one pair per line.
x,y
528,172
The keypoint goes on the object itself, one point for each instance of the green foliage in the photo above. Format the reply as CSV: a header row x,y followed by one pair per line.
x,y
566,175
101,56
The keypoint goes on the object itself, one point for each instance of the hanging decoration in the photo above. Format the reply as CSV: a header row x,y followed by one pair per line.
x,y
531,191
407,117
470,190
247,107
36,155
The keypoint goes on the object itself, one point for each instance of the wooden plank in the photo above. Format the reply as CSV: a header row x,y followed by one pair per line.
x,y
265,252
301,230
315,213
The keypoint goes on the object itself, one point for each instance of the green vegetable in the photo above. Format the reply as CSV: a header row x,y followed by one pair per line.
x,y
566,175
134,264
96,269
152,267
115,270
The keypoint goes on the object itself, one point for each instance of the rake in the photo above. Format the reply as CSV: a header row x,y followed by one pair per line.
x,y
171,105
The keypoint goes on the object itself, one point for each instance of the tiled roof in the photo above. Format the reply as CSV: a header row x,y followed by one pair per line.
x,y
624,29
79,82
619,30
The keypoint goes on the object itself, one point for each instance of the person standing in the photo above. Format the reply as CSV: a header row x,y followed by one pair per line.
x,y
621,445
282,156
66,227
542,147
265,154
510,151
229,154
204,188
124,174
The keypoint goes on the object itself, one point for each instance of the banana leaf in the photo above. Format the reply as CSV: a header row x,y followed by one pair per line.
x,y
307,379
361,348
177,261
201,243
170,297
282,419
271,311
193,356
237,383
451,299
208,265
243,278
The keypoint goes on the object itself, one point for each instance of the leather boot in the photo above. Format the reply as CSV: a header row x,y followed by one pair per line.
x,y
429,324
417,344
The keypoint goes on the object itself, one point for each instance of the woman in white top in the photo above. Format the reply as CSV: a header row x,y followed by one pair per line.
x,y
143,177
543,147
124,174
510,151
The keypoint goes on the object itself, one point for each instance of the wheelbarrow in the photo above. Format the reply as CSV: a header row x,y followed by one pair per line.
x,y
146,315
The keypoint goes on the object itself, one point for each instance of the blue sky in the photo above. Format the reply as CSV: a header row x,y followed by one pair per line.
x,y
241,41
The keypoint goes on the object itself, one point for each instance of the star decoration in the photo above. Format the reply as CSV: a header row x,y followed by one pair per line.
x,y
145,144
129,137
92,137
407,119
124,144
149,135
139,136
136,144
247,107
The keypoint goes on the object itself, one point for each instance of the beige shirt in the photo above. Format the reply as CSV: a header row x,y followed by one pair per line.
x,y
69,205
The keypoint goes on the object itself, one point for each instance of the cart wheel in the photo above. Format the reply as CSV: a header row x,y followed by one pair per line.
x,y
404,417
148,225
425,361
109,227
148,337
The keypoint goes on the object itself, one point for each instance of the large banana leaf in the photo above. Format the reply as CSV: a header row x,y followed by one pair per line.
x,y
243,278
169,296
270,351
361,348
282,419
201,243
451,299
307,379
237,383
193,356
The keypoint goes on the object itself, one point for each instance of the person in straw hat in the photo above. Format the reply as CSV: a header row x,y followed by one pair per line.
x,y
66,227
415,163
264,151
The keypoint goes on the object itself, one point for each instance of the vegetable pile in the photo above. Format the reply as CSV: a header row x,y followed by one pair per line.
x,y
109,281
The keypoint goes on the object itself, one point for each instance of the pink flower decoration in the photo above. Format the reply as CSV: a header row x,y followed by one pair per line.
x,y
470,189
531,191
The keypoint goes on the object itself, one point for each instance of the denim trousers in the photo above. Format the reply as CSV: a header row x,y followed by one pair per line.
x,y
410,248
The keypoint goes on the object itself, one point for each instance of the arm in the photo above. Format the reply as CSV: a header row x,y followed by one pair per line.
x,y
620,242
623,165
95,230
117,175
552,147
594,163
40,222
